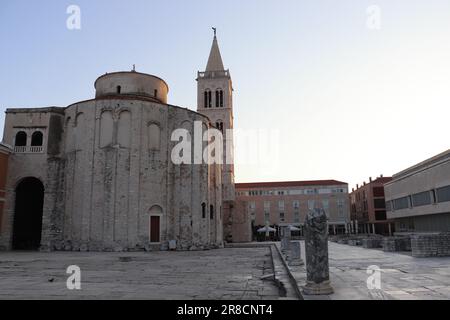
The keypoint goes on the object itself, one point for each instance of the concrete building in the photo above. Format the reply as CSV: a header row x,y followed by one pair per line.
x,y
368,208
418,198
97,175
287,203
5,151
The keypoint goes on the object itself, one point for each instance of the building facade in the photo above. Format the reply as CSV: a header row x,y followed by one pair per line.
x,y
368,208
5,151
418,198
98,175
287,203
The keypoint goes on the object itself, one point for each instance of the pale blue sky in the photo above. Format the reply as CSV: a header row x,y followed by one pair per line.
x,y
349,102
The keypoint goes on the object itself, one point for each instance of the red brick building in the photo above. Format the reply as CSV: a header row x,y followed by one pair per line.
x,y
4,155
368,208
287,203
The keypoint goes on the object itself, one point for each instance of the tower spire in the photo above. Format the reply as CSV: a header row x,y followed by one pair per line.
x,y
215,59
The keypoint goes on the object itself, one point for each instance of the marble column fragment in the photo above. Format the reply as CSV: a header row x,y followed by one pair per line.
x,y
295,254
316,251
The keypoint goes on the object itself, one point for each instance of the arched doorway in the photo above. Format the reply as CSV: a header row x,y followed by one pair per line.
x,y
155,224
28,214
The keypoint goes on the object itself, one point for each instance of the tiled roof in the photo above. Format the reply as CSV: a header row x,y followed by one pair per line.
x,y
288,184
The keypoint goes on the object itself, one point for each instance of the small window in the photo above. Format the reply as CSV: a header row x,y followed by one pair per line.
x,y
36,139
221,98
156,93
203,210
21,139
217,99
119,89
211,212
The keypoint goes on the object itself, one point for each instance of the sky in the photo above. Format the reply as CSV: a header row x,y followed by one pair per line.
x,y
352,93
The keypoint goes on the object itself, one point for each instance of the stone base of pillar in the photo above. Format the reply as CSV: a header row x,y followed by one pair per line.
x,y
295,262
315,289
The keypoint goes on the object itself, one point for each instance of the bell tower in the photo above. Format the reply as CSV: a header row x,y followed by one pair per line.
x,y
215,100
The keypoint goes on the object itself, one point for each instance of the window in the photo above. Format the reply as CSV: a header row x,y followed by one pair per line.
x,y
252,205
36,139
296,204
156,93
281,205
401,203
267,206
203,210
443,194
380,215
221,98
388,205
296,217
21,139
211,212
219,126
379,204
311,204
266,217
421,199
340,204
217,98
118,89
378,192
208,99
281,216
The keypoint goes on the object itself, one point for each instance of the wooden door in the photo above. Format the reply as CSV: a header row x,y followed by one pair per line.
x,y
154,229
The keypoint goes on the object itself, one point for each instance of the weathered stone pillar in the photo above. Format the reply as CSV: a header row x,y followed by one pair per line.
x,y
285,238
295,254
316,249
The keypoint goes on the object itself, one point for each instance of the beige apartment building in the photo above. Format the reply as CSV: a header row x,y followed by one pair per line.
x,y
287,203
418,198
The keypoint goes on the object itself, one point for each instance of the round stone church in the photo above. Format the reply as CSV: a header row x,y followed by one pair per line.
x,y
97,175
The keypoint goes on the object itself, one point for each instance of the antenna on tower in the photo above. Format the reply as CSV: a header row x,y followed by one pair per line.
x,y
134,68
215,31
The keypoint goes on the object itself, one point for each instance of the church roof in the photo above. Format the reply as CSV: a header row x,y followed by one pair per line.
x,y
215,59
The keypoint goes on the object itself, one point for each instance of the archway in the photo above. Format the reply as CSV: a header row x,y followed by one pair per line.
x,y
155,224
29,203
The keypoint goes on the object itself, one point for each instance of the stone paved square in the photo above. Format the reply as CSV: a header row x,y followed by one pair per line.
x,y
233,273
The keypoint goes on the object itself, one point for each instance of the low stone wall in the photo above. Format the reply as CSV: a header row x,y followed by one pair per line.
x,y
430,245
394,244
371,243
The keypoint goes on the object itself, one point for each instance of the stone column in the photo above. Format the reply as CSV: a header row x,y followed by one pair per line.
x,y
316,249
373,228
295,254
285,238
390,229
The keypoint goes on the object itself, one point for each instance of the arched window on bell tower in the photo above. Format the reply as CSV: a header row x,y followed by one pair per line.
x,y
208,99
221,98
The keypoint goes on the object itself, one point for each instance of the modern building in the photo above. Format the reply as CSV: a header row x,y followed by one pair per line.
x,y
418,198
5,151
287,203
368,208
98,175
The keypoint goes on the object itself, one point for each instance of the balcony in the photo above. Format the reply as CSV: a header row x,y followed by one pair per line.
x,y
28,149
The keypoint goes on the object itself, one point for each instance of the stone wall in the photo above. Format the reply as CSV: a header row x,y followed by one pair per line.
x,y
394,244
431,245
